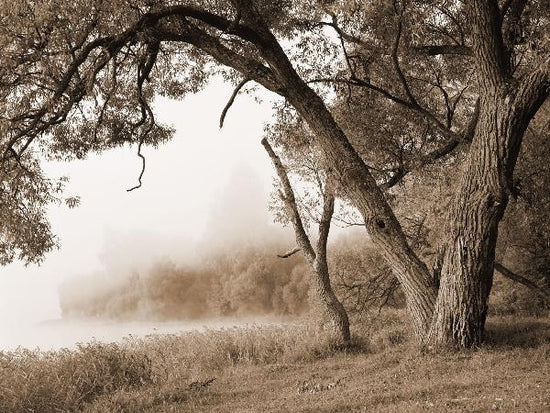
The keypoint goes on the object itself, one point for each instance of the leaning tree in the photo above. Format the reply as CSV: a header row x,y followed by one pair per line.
x,y
80,76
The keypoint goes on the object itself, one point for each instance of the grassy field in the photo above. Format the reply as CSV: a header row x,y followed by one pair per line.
x,y
286,369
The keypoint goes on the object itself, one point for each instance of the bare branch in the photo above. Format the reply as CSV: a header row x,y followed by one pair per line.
x,y
289,253
443,49
522,280
324,223
142,167
395,59
232,99
289,200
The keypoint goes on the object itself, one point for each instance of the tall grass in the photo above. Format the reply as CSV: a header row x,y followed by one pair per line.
x,y
67,380
139,375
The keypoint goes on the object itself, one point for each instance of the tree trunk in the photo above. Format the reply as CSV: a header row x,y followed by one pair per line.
x,y
316,257
334,309
361,189
467,271
506,107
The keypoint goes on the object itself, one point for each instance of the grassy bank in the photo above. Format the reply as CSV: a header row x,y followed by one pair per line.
x,y
283,369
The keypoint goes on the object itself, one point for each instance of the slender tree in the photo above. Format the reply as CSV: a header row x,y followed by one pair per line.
x,y
316,255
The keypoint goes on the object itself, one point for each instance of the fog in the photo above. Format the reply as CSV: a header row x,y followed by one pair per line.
x,y
204,193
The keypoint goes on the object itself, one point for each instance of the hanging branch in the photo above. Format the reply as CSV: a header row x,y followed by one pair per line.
x,y
142,166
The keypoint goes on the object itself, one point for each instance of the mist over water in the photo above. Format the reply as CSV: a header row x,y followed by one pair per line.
x,y
57,334
204,192
147,284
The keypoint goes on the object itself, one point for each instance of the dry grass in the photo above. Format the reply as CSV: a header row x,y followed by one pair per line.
x,y
282,369
63,381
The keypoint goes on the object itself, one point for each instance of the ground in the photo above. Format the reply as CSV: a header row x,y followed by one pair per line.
x,y
511,374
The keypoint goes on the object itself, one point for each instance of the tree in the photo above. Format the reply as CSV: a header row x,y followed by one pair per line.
x,y
79,77
315,255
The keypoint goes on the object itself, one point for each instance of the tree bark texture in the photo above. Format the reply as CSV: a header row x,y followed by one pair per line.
x,y
506,105
482,196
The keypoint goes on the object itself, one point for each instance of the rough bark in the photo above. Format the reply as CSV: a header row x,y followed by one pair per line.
x,y
358,184
347,166
505,109
485,186
360,187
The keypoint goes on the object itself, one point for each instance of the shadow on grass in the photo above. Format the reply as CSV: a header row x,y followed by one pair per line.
x,y
520,333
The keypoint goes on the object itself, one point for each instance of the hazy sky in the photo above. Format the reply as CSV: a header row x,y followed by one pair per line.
x,y
203,181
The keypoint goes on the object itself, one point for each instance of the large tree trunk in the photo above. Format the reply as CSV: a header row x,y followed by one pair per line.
x,y
486,183
358,185
467,271
506,107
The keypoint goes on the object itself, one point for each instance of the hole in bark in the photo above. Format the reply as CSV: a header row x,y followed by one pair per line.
x,y
380,223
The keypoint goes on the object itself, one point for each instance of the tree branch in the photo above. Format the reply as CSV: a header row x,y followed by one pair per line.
x,y
443,49
488,46
324,223
232,99
251,68
142,167
289,253
289,200
395,59
522,280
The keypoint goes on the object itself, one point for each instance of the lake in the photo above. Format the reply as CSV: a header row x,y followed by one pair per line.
x,y
56,334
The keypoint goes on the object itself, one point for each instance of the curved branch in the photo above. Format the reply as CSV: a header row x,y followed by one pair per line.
x,y
395,59
142,167
232,99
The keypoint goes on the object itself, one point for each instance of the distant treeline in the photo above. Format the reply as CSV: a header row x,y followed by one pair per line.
x,y
249,281
252,281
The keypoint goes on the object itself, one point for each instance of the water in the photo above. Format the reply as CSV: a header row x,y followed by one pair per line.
x,y
56,334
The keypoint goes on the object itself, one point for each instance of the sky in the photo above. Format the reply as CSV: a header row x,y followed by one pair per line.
x,y
203,184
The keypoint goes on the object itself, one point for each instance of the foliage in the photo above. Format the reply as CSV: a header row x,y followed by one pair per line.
x,y
252,281
81,76
249,282
523,242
